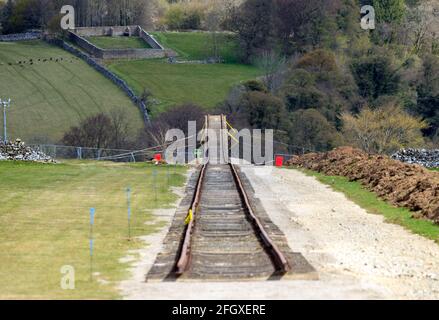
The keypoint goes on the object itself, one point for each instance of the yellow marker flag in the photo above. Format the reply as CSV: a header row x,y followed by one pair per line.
x,y
189,217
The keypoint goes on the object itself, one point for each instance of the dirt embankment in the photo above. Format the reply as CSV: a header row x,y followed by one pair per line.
x,y
405,185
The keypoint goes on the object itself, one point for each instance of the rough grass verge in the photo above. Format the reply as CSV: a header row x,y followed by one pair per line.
x,y
44,224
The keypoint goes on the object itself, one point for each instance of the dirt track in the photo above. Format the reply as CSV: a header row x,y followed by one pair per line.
x,y
357,255
405,185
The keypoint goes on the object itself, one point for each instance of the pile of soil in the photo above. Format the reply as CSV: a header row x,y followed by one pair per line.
x,y
402,184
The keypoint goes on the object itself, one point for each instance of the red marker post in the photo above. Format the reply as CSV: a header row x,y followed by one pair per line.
x,y
279,161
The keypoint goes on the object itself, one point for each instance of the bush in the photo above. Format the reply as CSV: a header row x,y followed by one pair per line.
x,y
318,61
100,131
375,76
255,85
184,17
311,130
264,111
389,10
383,130
174,118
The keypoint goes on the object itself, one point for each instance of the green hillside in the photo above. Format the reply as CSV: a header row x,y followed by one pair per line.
x,y
199,45
52,90
170,84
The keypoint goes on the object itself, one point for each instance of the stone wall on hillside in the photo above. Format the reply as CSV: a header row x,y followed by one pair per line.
x,y
106,73
150,39
136,54
26,36
107,31
156,51
86,45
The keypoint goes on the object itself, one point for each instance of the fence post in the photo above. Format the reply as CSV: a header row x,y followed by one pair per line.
x,y
132,157
129,211
79,152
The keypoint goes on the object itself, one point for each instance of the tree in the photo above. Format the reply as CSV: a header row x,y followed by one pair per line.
x,y
375,76
311,130
264,111
120,129
383,130
254,24
93,132
318,61
419,28
273,65
302,23
389,10
177,117
100,131
428,94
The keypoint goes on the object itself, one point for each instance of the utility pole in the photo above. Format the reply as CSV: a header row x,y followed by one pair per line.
x,y
6,104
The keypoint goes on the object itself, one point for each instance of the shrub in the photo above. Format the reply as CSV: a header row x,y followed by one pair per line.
x,y
383,130
184,17
375,76
311,130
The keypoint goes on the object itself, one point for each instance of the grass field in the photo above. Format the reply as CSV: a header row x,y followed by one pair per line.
x,y
44,224
170,84
370,202
49,97
198,45
119,42
204,84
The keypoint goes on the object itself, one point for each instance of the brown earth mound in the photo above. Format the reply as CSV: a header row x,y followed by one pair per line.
x,y
405,185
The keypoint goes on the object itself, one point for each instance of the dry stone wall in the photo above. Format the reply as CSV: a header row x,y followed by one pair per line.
x,y
156,51
107,31
106,73
26,36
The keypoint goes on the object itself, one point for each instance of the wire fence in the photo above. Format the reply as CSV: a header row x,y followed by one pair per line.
x,y
125,155
86,153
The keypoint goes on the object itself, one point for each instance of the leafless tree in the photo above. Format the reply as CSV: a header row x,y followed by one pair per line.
x,y
119,129
273,66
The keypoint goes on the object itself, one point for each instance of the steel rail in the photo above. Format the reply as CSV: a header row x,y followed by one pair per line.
x,y
280,262
185,252
184,256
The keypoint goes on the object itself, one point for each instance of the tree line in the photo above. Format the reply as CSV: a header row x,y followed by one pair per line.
x,y
21,15
328,82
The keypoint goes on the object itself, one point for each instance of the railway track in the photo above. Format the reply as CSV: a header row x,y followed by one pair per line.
x,y
223,238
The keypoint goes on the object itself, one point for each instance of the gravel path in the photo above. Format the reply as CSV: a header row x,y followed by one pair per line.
x,y
356,254
342,240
